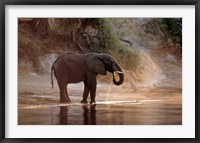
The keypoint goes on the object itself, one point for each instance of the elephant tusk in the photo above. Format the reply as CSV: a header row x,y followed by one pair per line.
x,y
120,72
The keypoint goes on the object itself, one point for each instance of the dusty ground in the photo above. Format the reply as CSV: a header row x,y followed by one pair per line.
x,y
39,104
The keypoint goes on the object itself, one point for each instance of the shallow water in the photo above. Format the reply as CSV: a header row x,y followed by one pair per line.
x,y
104,113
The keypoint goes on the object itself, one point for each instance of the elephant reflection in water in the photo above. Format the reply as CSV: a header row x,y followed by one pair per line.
x,y
89,115
63,115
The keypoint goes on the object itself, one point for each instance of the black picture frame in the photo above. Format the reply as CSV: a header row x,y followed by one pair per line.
x,y
99,2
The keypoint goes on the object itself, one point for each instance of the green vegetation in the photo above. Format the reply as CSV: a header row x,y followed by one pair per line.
x,y
109,42
172,28
167,30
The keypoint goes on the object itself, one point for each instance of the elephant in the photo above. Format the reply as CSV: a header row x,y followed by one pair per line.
x,y
75,68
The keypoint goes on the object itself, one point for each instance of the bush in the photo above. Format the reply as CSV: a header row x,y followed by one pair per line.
x,y
127,57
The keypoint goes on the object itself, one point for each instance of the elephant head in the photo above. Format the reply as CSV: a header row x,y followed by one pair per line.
x,y
101,63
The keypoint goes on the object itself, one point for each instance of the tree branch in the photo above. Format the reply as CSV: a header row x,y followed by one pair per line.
x,y
126,41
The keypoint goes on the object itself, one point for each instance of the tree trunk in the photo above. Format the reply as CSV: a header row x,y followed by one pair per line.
x,y
82,44
40,26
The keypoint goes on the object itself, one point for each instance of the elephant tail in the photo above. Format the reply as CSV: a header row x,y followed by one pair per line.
x,y
52,69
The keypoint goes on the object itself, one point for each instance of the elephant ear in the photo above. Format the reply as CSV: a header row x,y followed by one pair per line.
x,y
95,64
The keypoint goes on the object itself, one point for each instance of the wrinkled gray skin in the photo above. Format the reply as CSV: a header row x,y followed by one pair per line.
x,y
74,68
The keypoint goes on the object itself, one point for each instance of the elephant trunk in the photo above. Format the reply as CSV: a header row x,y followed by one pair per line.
x,y
118,70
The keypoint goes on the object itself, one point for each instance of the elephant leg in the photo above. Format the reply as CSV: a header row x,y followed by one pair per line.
x,y
85,93
66,95
93,86
62,92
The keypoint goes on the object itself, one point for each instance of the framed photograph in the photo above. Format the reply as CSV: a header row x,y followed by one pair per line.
x,y
79,71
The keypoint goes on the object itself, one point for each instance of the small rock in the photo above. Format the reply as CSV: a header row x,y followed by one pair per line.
x,y
34,74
